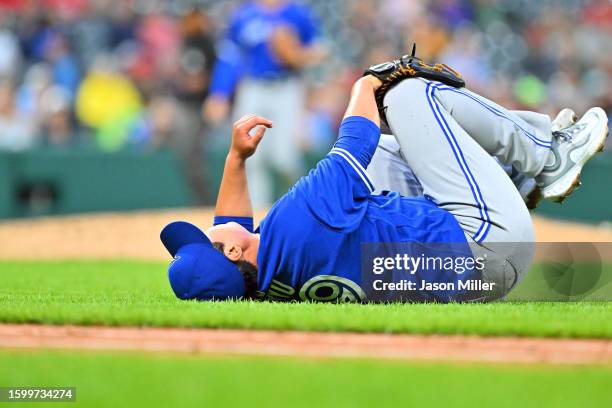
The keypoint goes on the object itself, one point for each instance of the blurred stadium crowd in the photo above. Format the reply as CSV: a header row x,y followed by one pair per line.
x,y
134,74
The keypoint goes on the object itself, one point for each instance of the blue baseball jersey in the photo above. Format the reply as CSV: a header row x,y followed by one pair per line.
x,y
315,233
245,49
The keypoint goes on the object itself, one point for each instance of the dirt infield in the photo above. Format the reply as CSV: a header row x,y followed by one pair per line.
x,y
136,234
319,345
94,236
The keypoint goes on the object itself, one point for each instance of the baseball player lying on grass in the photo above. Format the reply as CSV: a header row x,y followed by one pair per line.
x,y
310,245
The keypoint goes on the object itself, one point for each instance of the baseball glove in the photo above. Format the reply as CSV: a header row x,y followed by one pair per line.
x,y
409,66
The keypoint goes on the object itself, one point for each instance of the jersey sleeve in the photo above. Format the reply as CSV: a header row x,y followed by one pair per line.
x,y
357,139
246,222
336,190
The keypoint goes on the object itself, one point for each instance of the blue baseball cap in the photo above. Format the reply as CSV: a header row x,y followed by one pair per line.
x,y
199,270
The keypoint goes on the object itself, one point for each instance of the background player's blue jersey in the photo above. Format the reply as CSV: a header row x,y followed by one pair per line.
x,y
315,232
245,49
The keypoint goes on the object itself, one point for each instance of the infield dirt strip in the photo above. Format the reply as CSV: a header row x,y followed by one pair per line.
x,y
307,344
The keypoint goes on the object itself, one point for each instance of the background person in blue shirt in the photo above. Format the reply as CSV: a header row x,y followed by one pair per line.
x,y
265,48
309,246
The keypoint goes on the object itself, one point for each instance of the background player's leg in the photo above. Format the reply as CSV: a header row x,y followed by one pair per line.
x,y
250,98
521,139
282,102
462,178
261,185
285,107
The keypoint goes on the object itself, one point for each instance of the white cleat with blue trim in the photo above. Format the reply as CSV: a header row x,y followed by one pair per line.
x,y
527,186
572,147
565,118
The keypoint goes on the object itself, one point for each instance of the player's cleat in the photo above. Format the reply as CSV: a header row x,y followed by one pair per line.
x,y
565,118
527,186
571,148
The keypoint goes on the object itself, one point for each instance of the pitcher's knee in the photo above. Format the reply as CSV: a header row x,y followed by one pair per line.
x,y
404,90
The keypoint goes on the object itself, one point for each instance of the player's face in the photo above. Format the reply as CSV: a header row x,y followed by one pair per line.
x,y
230,233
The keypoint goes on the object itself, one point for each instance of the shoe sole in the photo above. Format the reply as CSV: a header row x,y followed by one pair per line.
x,y
533,199
563,188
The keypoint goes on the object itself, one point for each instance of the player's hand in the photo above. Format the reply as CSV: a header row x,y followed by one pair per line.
x,y
317,54
247,132
376,83
215,109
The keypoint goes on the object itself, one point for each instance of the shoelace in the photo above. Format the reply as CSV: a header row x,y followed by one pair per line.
x,y
567,134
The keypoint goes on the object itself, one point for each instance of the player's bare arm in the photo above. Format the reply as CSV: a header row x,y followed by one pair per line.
x,y
290,51
362,102
233,198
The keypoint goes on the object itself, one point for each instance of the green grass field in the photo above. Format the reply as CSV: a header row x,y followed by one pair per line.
x,y
158,380
137,293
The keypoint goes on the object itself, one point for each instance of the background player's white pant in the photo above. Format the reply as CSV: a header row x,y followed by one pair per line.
x,y
447,137
281,101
